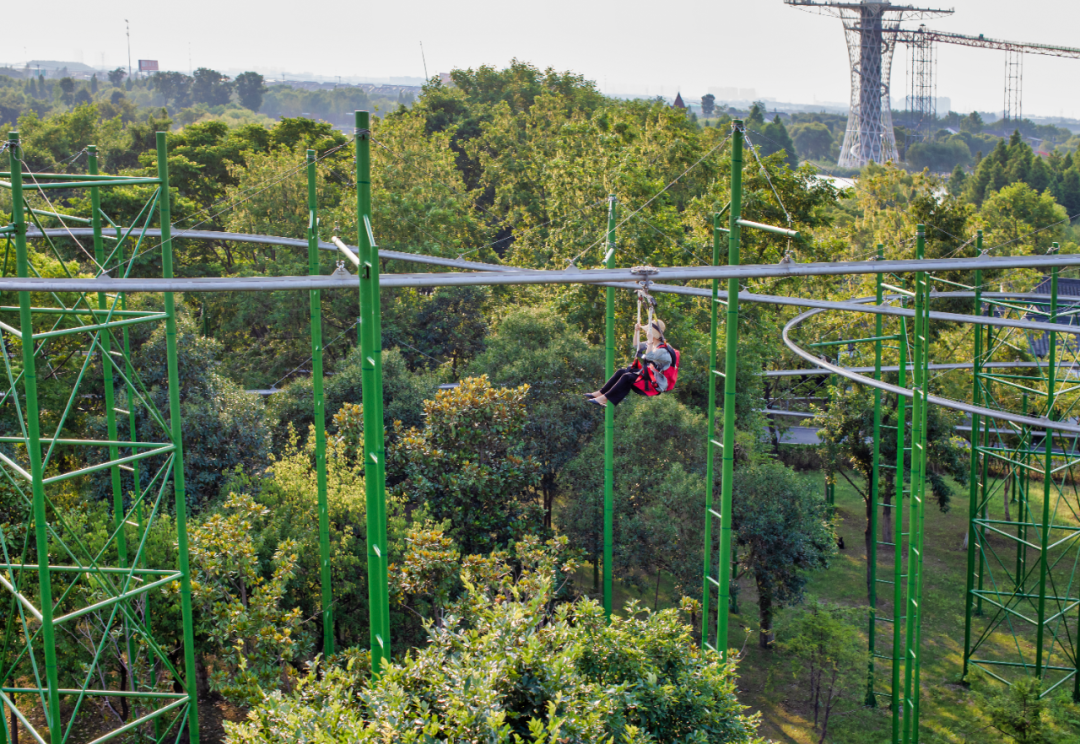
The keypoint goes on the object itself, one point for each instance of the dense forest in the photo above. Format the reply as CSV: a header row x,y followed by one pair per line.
x,y
495,483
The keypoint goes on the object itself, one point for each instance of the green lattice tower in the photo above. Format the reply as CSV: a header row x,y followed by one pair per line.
x,y
1023,600
53,581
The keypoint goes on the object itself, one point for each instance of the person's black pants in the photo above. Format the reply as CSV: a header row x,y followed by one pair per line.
x,y
620,384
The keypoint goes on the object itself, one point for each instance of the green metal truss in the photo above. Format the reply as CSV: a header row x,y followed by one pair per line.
x,y
1022,577
55,584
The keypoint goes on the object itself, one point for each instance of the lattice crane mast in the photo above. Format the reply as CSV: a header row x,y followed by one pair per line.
x,y
921,40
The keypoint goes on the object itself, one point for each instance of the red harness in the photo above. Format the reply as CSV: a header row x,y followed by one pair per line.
x,y
646,381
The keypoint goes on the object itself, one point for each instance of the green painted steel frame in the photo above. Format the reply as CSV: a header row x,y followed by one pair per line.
x,y
319,402
1041,576
107,317
370,331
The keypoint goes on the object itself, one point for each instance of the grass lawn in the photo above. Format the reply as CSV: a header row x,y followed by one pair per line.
x,y
948,711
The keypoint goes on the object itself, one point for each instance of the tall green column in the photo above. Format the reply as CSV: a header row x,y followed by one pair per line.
x,y
33,444
315,297
896,706
609,417
727,449
180,490
1048,478
918,494
973,503
710,446
875,495
374,447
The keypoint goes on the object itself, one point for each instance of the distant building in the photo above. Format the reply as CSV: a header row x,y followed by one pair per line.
x,y
678,102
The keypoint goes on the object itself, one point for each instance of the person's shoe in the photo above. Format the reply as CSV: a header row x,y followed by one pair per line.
x,y
590,396
594,400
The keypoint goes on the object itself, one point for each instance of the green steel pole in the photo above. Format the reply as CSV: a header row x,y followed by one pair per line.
x,y
731,342
315,296
1048,478
984,485
875,495
609,417
33,445
973,503
897,699
179,485
710,447
1020,485
917,510
370,349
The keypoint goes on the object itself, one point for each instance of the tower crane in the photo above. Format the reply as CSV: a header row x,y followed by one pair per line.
x,y
921,98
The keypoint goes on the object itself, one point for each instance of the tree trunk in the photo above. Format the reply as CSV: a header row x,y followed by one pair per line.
x,y
765,614
829,700
656,598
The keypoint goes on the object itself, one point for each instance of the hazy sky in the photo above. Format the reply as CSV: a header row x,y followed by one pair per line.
x,y
629,47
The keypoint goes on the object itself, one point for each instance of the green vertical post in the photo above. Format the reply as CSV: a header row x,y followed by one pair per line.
x,y
179,486
33,444
731,341
710,447
1048,476
973,503
371,353
918,492
1020,486
609,417
875,494
984,488
315,297
896,706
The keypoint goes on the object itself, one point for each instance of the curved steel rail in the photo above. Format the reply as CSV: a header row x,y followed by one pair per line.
x,y
1038,423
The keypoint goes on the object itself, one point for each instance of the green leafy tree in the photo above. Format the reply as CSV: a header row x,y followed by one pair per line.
x,y
776,139
250,633
117,76
973,122
1022,221
174,87
446,328
538,348
93,84
513,666
659,462
210,87
1020,713
223,426
708,104
250,89
827,656
847,436
813,140
67,90
783,532
467,464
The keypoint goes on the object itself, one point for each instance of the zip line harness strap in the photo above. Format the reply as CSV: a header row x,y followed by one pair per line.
x,y
646,299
